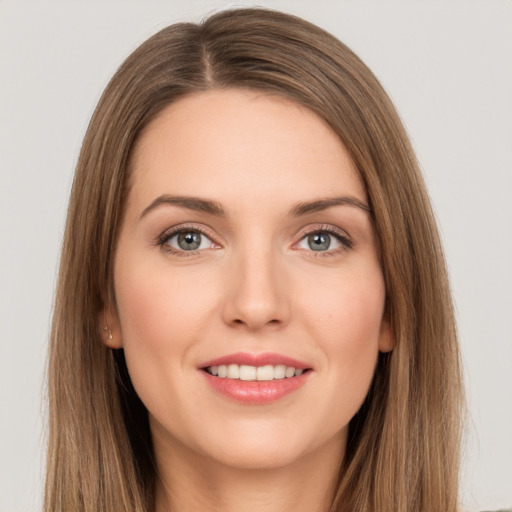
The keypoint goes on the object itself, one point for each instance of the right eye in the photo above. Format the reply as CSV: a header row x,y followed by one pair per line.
x,y
187,240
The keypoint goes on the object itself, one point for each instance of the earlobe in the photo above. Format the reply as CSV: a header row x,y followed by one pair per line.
x,y
387,336
110,329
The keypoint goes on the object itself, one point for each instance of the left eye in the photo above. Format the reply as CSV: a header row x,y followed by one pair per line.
x,y
320,241
189,241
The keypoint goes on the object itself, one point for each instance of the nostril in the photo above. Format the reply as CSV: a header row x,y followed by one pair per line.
x,y
274,321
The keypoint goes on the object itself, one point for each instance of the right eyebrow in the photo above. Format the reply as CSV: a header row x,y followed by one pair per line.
x,y
189,202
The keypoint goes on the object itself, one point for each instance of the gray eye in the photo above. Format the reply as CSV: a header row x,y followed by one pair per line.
x,y
189,241
319,241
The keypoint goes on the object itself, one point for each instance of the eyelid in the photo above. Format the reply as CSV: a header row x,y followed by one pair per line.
x,y
167,234
343,237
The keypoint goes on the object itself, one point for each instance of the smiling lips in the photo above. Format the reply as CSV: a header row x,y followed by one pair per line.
x,y
255,379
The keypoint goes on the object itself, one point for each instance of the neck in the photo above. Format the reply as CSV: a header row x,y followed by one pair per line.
x,y
190,482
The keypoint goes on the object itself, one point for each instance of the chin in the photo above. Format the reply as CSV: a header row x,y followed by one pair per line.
x,y
246,457
268,448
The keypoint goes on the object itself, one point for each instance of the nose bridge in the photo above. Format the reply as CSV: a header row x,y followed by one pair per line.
x,y
256,293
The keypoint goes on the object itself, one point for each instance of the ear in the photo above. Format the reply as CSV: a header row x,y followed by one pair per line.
x,y
386,336
110,329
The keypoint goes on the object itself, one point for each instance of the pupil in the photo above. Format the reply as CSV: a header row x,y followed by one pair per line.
x,y
189,241
319,241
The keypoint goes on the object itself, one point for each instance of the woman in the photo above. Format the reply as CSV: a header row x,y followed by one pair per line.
x,y
253,309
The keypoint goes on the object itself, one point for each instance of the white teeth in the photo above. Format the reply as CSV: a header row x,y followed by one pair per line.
x,y
265,372
247,372
279,371
259,373
290,371
233,371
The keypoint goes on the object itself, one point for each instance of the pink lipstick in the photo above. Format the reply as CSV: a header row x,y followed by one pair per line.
x,y
255,378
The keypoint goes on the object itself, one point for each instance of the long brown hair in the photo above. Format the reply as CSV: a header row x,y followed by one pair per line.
x,y
403,446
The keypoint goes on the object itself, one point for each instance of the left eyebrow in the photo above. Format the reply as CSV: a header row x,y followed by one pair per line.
x,y
323,204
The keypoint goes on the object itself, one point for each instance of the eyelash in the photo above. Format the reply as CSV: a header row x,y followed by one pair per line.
x,y
345,241
184,228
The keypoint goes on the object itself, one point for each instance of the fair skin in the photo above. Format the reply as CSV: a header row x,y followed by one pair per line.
x,y
259,273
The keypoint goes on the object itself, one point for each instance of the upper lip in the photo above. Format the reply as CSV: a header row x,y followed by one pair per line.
x,y
263,359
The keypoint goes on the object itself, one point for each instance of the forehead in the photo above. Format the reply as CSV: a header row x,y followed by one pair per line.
x,y
241,144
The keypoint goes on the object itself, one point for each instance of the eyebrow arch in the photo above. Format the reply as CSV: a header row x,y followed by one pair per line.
x,y
322,204
188,202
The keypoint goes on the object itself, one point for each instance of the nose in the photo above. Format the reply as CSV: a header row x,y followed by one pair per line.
x,y
257,293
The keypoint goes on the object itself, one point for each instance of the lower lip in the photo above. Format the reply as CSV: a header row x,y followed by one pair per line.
x,y
256,392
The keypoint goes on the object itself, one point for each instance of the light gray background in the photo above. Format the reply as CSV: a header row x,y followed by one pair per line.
x,y
446,64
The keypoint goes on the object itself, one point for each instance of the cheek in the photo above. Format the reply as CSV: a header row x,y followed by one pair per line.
x,y
157,307
347,308
162,316
345,323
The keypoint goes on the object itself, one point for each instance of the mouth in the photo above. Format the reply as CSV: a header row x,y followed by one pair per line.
x,y
250,373
256,378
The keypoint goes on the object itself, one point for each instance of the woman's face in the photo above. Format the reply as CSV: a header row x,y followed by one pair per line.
x,y
245,253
